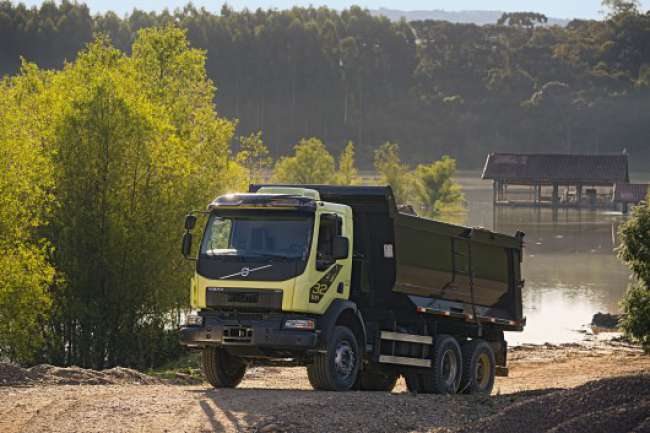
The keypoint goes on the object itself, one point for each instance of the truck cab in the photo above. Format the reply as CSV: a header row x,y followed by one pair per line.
x,y
312,275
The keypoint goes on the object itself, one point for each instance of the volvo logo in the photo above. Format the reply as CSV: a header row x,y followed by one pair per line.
x,y
245,272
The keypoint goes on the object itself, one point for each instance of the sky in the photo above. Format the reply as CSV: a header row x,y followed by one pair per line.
x,y
551,8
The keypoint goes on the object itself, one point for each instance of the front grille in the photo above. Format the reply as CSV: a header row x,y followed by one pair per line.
x,y
246,299
243,298
237,334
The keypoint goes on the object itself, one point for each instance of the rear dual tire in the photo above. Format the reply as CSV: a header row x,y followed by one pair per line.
x,y
446,371
479,368
470,369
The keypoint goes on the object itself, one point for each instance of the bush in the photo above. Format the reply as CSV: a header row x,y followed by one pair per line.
x,y
636,317
635,253
310,164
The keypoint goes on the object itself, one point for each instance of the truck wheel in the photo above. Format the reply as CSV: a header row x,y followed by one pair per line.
x,y
337,369
479,368
377,378
446,372
221,369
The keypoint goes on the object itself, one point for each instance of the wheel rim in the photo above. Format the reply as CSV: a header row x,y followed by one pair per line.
x,y
449,368
344,359
482,372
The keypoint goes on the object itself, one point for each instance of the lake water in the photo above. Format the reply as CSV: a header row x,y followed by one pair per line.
x,y
570,266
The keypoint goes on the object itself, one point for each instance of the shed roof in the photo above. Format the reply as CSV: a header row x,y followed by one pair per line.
x,y
630,192
557,168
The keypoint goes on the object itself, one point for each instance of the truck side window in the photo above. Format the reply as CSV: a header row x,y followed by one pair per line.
x,y
330,226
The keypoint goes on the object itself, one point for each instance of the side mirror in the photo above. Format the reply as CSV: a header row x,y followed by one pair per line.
x,y
186,249
341,248
190,222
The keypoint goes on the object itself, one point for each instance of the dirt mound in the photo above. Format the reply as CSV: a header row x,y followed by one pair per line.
x,y
615,405
13,375
45,374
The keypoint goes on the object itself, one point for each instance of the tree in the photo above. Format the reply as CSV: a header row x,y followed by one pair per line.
x,y
393,172
621,7
136,143
435,188
310,164
635,253
527,20
347,173
253,156
25,200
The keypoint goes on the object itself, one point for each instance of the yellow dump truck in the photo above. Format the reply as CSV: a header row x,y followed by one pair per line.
x,y
337,279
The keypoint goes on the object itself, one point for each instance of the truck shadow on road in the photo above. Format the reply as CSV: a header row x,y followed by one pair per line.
x,y
271,410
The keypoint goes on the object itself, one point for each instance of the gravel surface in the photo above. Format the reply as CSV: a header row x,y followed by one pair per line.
x,y
550,389
614,405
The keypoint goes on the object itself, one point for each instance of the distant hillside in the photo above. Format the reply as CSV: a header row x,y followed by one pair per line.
x,y
476,17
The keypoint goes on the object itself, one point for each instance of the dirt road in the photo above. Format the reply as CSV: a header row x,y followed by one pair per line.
x,y
280,399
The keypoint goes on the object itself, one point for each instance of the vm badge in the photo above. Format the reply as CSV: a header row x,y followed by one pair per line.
x,y
319,289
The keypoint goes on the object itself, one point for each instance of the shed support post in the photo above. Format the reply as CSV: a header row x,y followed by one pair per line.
x,y
494,192
579,193
556,195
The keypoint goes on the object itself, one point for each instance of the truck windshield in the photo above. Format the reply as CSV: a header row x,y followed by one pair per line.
x,y
257,236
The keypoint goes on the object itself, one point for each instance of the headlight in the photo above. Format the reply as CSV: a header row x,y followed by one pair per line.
x,y
300,324
193,320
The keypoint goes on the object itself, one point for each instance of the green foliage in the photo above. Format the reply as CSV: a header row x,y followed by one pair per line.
x,y
618,7
393,172
435,188
635,242
347,173
522,19
636,317
25,201
254,156
310,164
635,252
430,188
114,150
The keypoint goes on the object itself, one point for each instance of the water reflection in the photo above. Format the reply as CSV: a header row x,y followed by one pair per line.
x,y
570,267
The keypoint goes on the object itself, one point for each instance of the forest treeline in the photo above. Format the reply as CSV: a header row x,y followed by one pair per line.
x,y
433,87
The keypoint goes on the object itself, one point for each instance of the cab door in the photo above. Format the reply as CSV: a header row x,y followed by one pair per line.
x,y
326,277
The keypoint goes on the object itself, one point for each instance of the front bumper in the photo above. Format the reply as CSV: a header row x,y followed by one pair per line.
x,y
262,333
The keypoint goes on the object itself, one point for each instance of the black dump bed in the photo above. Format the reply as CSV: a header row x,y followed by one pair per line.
x,y
433,265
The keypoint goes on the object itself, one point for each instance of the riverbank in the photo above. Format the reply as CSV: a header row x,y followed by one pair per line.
x,y
280,399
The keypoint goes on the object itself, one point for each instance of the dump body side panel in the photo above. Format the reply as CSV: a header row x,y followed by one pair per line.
x,y
434,260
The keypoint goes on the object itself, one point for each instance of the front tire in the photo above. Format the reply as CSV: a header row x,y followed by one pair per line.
x,y
479,368
338,368
221,369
